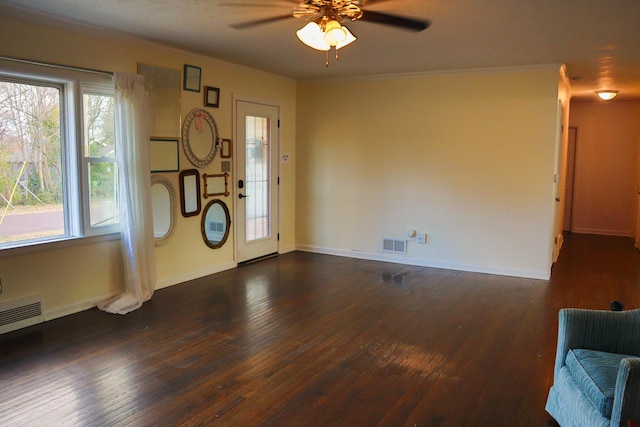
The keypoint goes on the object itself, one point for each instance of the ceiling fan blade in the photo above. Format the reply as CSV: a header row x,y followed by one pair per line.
x,y
368,2
294,2
258,22
410,24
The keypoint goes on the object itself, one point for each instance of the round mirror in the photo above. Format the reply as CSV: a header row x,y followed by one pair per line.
x,y
199,137
215,224
163,204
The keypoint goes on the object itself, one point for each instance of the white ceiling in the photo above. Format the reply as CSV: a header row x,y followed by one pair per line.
x,y
598,40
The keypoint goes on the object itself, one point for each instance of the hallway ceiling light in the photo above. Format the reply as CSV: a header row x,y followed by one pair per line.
x,y
607,95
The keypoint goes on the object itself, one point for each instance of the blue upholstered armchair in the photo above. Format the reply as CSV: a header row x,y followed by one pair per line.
x,y
596,379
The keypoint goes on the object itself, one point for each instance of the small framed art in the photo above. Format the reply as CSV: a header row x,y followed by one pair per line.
x,y
225,148
192,76
211,96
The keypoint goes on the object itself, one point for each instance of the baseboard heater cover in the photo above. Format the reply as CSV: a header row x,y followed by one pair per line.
x,y
20,313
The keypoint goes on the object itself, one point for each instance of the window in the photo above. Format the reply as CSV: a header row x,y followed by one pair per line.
x,y
58,167
98,159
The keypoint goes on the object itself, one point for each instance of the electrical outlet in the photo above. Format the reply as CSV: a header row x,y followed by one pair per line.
x,y
422,238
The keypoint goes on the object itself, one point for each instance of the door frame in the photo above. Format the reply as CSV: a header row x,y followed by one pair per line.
x,y
234,193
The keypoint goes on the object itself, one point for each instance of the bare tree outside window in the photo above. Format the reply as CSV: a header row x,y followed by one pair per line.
x,y
32,173
30,162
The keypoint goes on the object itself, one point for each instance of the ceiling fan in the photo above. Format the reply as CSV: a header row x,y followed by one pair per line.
x,y
325,29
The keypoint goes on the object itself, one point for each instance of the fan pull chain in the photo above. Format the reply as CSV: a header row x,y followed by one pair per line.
x,y
326,60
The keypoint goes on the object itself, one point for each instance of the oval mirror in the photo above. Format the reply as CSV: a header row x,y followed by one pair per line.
x,y
199,137
163,204
215,223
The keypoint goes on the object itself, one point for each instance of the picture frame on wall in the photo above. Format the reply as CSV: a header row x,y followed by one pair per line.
x,y
192,76
211,96
164,156
225,148
163,86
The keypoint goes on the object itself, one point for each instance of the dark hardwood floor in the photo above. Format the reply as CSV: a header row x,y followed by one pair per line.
x,y
314,340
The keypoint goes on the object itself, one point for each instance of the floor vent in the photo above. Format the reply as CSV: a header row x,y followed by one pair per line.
x,y
20,313
395,246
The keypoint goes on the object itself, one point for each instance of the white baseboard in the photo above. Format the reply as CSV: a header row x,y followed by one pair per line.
x,y
76,307
286,249
176,280
89,303
602,232
398,259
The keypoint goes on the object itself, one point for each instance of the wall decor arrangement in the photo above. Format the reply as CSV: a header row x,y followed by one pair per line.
x,y
164,155
163,86
211,97
200,137
190,192
192,75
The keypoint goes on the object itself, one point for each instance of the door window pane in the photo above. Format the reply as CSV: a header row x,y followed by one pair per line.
x,y
258,224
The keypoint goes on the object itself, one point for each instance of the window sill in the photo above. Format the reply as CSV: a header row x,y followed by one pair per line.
x,y
57,244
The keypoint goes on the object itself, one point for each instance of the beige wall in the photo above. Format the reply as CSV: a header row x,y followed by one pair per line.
x,y
72,277
605,184
467,158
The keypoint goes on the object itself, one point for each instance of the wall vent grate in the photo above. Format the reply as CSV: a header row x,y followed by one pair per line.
x,y
20,313
395,246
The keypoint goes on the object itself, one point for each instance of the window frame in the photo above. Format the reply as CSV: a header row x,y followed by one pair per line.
x,y
75,186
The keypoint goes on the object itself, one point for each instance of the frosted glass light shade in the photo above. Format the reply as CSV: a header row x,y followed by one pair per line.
x,y
312,36
334,33
607,95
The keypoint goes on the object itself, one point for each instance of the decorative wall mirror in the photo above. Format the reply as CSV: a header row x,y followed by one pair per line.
x,y
200,137
190,192
216,184
215,224
163,202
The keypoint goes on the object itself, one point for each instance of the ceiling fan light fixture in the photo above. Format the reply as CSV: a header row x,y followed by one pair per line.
x,y
333,36
607,95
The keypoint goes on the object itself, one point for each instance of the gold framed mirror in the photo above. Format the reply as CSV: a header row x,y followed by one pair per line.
x,y
200,137
215,223
216,184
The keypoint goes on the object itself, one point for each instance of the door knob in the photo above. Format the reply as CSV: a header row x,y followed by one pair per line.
x,y
557,199
241,196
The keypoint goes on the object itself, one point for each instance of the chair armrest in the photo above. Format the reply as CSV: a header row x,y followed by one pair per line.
x,y
610,331
626,401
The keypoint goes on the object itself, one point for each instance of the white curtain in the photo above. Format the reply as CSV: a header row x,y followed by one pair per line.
x,y
136,221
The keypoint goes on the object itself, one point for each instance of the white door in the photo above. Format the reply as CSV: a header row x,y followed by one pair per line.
x,y
256,185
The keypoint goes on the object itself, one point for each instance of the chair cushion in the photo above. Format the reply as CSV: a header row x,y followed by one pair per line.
x,y
596,373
